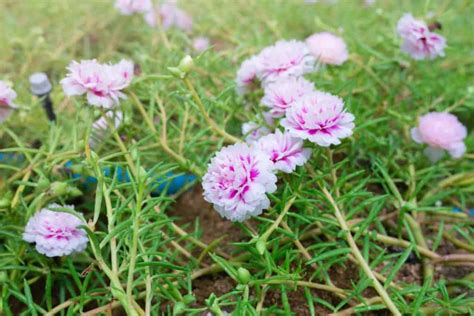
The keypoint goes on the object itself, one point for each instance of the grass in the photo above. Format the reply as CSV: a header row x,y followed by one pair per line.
x,y
339,235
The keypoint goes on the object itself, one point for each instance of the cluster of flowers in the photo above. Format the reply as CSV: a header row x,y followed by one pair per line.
x,y
240,176
418,40
167,14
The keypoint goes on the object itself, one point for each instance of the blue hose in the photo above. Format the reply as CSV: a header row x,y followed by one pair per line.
x,y
171,182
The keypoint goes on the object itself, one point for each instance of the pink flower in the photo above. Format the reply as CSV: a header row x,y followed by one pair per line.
x,y
328,48
237,181
281,94
101,82
247,75
440,131
56,233
129,7
284,59
201,43
170,16
285,151
418,41
319,117
7,95
253,131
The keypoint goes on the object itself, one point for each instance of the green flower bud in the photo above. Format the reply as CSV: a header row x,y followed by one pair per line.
x,y
58,188
186,64
243,275
261,246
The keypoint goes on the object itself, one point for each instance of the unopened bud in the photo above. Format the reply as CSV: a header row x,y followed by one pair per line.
x,y
261,246
243,275
186,64
58,188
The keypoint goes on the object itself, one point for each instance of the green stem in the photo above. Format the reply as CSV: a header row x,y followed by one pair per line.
x,y
133,250
312,285
428,270
358,255
228,138
263,238
163,141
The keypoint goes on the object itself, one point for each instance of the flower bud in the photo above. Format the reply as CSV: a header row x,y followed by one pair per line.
x,y
186,64
243,275
58,188
261,246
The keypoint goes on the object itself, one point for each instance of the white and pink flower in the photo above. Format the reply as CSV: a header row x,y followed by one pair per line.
x,y
7,96
56,233
281,94
418,41
286,152
238,180
441,131
328,48
246,78
102,83
284,59
129,7
319,117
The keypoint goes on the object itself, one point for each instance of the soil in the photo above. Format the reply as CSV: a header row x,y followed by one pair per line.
x,y
191,207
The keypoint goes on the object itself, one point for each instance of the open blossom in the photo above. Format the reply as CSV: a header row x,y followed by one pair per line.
x,y
285,151
328,48
440,131
237,181
418,41
253,131
128,7
7,95
281,94
101,82
201,43
247,75
170,16
284,59
56,233
319,117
